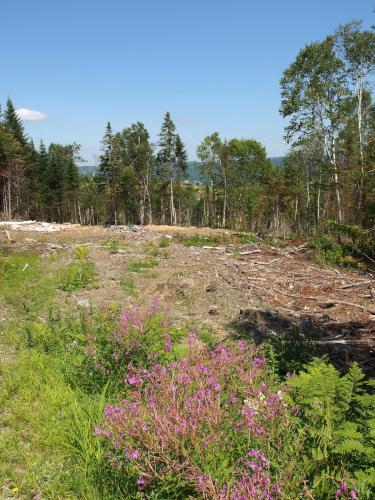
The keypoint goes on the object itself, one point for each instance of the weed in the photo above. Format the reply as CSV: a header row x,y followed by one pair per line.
x,y
198,240
25,282
113,246
151,248
81,252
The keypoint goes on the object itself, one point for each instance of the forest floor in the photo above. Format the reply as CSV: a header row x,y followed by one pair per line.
x,y
209,279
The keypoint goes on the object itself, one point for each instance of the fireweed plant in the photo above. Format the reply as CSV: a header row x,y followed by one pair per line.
x,y
212,425
185,420
138,336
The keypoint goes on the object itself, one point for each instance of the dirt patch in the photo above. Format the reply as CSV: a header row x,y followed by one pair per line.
x,y
230,278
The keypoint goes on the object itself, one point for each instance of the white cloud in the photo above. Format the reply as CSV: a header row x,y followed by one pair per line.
x,y
30,115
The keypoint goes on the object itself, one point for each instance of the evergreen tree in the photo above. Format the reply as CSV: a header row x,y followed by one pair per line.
x,y
166,160
138,155
13,123
108,169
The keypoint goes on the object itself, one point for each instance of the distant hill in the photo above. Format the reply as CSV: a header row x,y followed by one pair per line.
x,y
193,169
278,161
88,169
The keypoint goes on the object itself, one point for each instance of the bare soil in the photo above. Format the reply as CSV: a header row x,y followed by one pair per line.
x,y
232,288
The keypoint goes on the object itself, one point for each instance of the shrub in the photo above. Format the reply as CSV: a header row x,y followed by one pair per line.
x,y
128,285
327,249
198,240
113,246
338,417
151,248
217,425
81,252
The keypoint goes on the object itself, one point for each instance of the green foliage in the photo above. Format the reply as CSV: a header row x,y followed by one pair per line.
x,y
327,249
338,416
81,252
289,352
77,274
151,248
138,266
164,243
199,240
128,285
113,246
25,282
248,238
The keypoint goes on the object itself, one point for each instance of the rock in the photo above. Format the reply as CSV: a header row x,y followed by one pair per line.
x,y
85,304
213,310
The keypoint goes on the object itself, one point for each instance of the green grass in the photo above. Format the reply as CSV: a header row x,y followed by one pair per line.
x,y
198,240
128,285
47,443
164,243
137,266
248,238
112,246
27,282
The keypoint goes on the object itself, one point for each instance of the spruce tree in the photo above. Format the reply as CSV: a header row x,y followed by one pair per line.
x,y
106,158
13,123
166,160
108,169
181,157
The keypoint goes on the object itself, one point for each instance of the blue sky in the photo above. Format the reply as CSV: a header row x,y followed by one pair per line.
x,y
215,65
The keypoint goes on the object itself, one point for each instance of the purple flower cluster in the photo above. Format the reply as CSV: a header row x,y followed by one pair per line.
x,y
177,416
138,334
343,492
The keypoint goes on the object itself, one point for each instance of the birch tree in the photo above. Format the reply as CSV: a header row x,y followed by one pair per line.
x,y
357,49
313,96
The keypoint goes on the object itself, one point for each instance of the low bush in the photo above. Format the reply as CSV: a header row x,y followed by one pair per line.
x,y
206,426
337,416
128,285
101,345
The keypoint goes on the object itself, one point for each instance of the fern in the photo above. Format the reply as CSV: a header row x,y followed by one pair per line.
x,y
338,417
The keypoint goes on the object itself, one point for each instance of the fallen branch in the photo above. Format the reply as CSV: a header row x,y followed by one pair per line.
x,y
357,283
324,299
249,252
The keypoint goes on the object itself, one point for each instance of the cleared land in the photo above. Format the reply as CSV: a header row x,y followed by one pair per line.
x,y
209,278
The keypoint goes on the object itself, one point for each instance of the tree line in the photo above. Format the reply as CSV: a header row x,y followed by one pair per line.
x,y
328,174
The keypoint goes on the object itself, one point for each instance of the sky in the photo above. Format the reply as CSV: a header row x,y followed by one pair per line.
x,y
215,65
